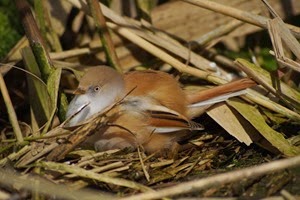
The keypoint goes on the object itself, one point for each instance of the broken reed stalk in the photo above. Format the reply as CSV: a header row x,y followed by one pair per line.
x,y
104,34
10,110
287,62
239,14
219,179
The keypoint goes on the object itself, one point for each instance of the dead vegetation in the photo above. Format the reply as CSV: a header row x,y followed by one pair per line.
x,y
250,147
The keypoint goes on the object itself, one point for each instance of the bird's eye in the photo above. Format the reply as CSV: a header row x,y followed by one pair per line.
x,y
96,89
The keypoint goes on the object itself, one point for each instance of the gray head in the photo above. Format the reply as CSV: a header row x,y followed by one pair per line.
x,y
100,88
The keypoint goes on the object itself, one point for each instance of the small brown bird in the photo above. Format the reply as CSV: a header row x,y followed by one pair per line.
x,y
151,113
146,108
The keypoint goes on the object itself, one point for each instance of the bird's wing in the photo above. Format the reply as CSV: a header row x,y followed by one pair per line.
x,y
164,122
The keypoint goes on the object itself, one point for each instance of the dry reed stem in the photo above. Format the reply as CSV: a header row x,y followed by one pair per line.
x,y
154,50
53,55
15,155
279,32
98,154
112,166
70,53
92,175
287,195
271,105
287,62
239,14
219,179
46,187
147,176
283,32
11,111
105,37
218,32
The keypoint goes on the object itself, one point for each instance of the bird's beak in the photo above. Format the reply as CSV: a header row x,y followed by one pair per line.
x,y
79,91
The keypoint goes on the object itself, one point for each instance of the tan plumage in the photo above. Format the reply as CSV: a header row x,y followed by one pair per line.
x,y
153,115
159,85
154,109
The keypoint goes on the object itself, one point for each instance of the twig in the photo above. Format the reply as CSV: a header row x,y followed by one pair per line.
x,y
164,56
220,179
92,175
217,32
104,34
271,105
70,53
147,176
239,14
105,168
287,62
97,155
271,10
43,137
43,18
48,188
59,55
287,195
10,110
13,156
226,62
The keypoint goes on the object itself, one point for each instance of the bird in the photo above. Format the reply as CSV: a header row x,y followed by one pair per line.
x,y
146,108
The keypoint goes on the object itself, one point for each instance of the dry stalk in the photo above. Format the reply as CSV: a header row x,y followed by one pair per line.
x,y
61,167
46,187
220,179
10,110
147,176
239,14
105,37
165,56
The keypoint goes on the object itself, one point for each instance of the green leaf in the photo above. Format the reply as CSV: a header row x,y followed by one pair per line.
x,y
53,89
38,96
